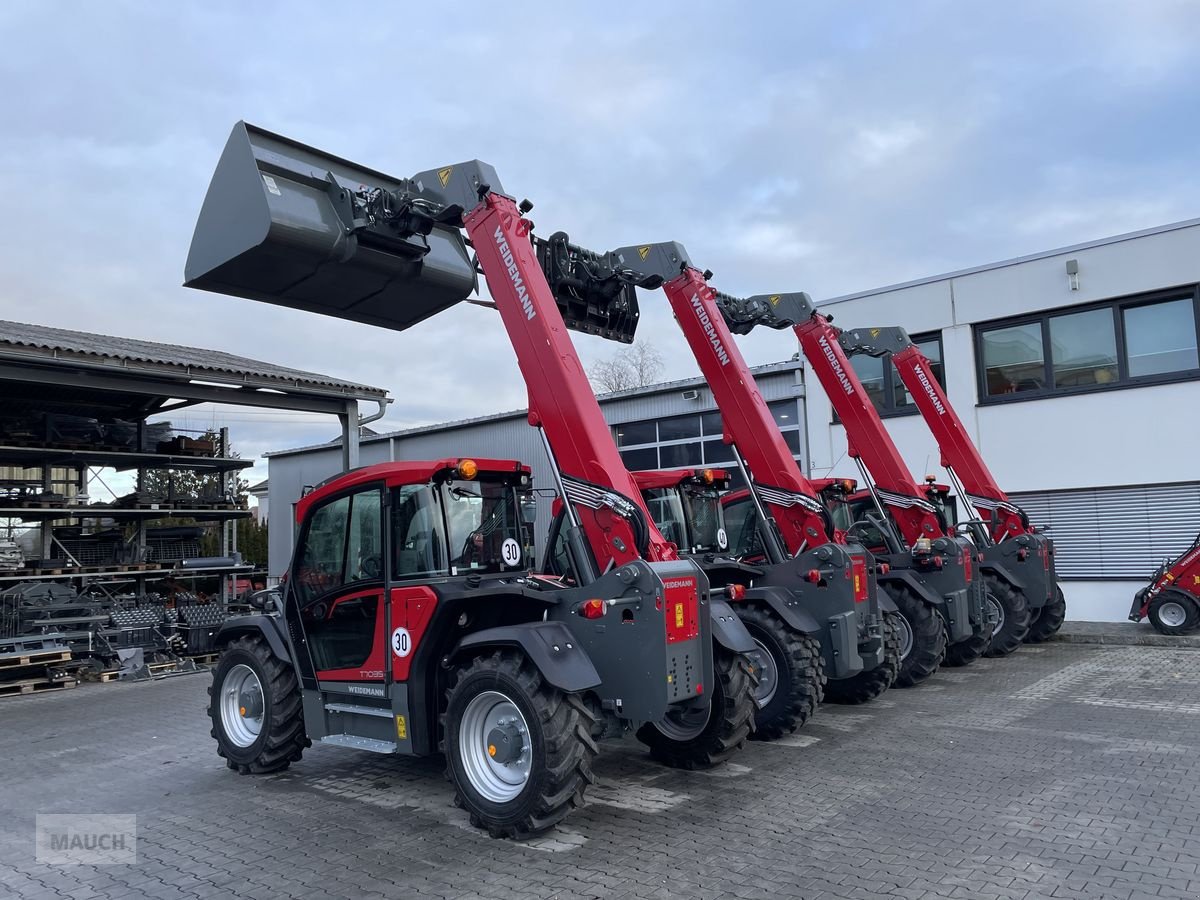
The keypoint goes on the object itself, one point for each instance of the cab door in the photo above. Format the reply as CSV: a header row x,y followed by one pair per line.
x,y
337,589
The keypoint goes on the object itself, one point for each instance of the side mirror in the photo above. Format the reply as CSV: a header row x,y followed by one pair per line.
x,y
262,599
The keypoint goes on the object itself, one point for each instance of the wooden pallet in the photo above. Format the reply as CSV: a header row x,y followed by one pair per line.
x,y
34,686
26,573
204,659
45,657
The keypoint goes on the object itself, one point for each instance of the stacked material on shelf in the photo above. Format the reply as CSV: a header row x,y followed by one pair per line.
x,y
11,557
172,543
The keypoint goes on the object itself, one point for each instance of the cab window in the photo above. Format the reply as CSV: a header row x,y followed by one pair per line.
x,y
666,509
484,527
343,545
420,545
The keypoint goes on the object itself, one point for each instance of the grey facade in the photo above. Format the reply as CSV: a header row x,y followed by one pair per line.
x,y
675,425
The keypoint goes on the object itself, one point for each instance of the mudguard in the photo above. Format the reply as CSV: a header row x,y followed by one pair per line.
x,y
727,628
1004,573
886,603
918,587
784,604
270,627
549,645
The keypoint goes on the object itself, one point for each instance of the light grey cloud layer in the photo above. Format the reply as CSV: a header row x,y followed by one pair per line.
x,y
825,147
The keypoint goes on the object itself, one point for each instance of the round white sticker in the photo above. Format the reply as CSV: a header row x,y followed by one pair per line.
x,y
401,642
722,539
510,552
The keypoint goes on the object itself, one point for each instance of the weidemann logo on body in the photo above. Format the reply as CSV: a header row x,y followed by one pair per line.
x,y
924,379
514,273
680,583
710,330
837,366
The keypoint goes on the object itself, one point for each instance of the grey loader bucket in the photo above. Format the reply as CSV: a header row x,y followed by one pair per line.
x,y
278,225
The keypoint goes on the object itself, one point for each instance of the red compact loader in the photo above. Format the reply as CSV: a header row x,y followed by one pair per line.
x,y
1172,599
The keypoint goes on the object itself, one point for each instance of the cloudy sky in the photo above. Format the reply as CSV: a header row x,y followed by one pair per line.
x,y
829,147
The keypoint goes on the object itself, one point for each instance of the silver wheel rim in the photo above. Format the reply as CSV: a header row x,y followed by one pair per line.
x,y
498,782
684,724
906,637
768,674
242,727
1172,614
998,610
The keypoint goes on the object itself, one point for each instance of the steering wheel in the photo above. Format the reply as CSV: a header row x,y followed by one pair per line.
x,y
371,566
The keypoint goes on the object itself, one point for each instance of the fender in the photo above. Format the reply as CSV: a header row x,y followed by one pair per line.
x,y
1004,573
270,627
913,583
549,645
727,628
886,603
784,604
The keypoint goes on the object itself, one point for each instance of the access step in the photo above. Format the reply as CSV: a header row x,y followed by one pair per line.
x,y
359,743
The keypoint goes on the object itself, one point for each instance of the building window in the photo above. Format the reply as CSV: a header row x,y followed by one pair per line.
x,y
1119,343
882,382
695,440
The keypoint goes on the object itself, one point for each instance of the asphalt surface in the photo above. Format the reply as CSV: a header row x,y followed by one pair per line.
x,y
1063,771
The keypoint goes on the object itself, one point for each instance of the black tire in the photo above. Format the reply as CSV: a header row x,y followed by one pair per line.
x,y
966,651
868,685
928,644
1173,624
1048,619
560,745
799,676
729,723
1014,620
281,737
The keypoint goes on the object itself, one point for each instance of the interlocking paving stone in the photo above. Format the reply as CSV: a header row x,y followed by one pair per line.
x,y
1066,770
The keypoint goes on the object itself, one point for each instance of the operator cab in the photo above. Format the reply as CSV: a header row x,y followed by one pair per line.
x,y
447,518
685,504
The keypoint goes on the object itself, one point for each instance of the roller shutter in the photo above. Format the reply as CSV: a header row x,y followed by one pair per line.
x,y
1119,532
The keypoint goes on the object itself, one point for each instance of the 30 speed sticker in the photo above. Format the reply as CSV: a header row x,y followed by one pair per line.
x,y
510,552
401,642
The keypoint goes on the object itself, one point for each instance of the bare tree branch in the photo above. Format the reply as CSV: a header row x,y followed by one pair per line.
x,y
630,367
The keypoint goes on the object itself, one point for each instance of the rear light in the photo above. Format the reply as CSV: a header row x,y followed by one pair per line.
x,y
967,565
883,568
813,576
938,562
735,591
858,571
592,609
1022,554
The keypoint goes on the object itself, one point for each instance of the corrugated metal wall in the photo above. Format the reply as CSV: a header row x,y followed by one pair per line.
x,y
1118,533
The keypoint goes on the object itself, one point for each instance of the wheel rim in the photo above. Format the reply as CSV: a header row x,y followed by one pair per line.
x,y
1172,614
906,637
242,706
498,773
684,724
998,611
768,674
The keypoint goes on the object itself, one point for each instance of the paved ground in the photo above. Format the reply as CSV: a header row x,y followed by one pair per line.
x,y
1064,771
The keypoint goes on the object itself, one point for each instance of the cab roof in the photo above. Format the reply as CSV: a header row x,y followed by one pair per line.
x,y
655,479
395,474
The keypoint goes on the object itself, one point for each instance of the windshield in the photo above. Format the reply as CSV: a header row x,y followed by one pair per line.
x,y
666,509
484,527
708,524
